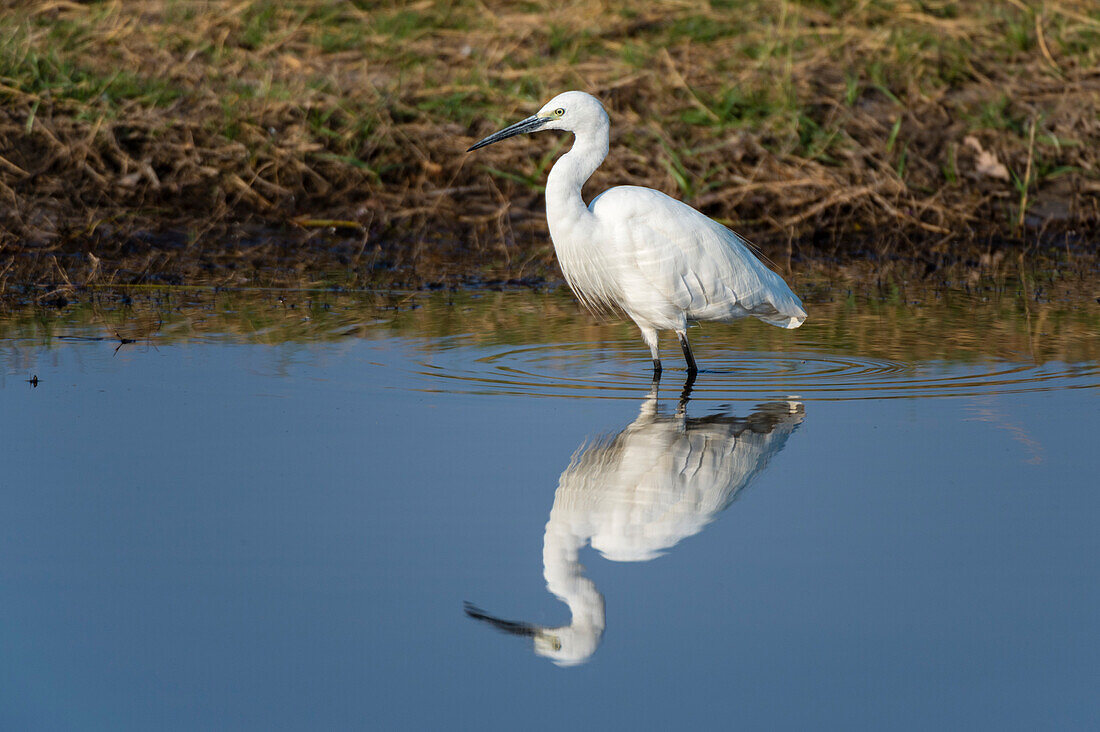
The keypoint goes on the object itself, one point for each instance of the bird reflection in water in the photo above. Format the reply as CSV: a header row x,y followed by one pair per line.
x,y
634,495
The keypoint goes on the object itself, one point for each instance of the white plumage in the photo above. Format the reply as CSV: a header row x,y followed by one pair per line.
x,y
635,495
636,249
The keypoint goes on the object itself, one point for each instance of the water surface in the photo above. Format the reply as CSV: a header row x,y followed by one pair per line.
x,y
270,512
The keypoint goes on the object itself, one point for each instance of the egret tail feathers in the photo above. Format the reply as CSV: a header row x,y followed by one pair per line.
x,y
791,316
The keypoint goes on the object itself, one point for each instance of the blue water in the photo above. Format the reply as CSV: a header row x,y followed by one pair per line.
x,y
219,534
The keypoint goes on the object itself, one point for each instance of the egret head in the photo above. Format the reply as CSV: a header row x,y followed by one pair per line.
x,y
572,111
568,645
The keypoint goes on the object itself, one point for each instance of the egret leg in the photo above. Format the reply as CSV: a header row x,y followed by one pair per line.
x,y
649,335
685,394
692,368
649,407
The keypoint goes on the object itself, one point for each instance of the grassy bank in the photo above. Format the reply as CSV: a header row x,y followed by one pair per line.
x,y
835,126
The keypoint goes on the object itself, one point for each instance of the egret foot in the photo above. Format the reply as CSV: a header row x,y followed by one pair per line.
x,y
692,368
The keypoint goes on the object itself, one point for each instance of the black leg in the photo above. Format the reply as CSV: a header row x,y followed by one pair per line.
x,y
685,395
657,368
692,368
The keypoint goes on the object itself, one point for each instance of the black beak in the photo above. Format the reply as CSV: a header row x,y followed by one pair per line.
x,y
507,626
530,124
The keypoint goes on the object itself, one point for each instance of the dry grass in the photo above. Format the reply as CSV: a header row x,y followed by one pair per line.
x,y
847,127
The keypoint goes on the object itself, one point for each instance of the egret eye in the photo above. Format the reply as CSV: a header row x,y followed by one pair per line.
x,y
559,111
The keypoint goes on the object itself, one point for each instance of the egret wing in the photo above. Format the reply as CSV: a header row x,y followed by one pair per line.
x,y
696,264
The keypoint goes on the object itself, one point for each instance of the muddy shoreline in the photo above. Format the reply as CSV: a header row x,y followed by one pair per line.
x,y
1062,267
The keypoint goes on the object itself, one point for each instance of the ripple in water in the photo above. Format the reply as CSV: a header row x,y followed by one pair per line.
x,y
594,370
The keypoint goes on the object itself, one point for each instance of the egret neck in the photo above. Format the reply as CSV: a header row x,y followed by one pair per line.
x,y
565,208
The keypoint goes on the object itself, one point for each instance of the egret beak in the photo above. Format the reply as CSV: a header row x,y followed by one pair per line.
x,y
510,627
530,124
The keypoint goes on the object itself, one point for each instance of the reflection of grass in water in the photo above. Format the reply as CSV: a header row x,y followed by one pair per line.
x,y
945,326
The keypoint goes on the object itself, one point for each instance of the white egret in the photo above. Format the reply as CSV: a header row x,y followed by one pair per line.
x,y
657,259
633,496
